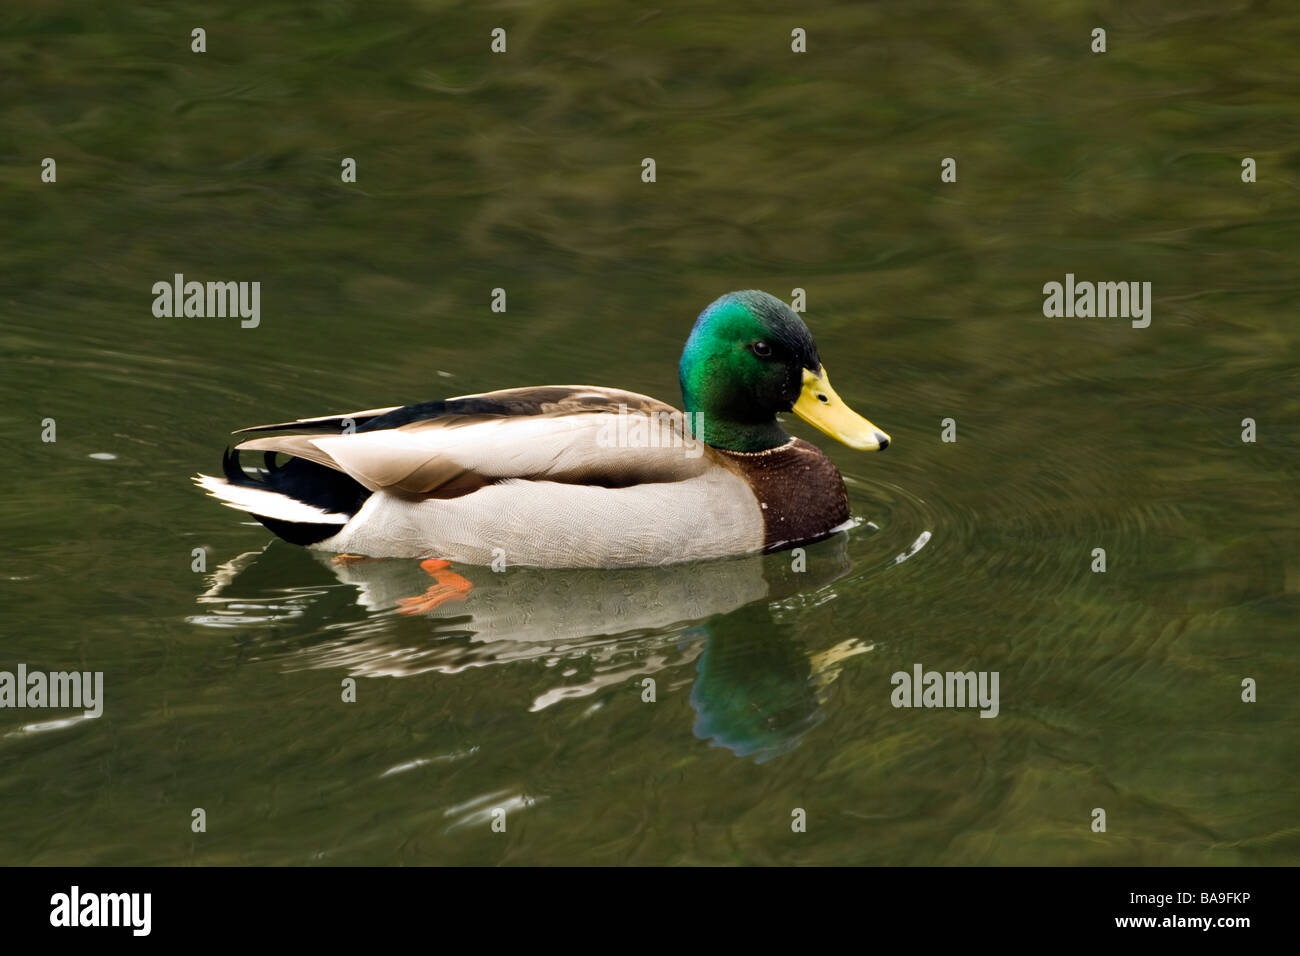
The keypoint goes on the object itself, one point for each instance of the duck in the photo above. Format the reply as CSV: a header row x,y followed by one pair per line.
x,y
572,476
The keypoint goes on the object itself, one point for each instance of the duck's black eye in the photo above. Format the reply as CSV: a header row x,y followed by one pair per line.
x,y
761,349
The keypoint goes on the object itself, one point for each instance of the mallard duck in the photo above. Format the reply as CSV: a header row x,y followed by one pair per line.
x,y
575,475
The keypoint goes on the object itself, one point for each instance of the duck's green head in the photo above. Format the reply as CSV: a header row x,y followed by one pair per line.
x,y
749,357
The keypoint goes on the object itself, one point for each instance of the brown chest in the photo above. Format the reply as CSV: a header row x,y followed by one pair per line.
x,y
799,490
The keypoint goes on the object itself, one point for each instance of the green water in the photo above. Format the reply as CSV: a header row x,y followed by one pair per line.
x,y
775,170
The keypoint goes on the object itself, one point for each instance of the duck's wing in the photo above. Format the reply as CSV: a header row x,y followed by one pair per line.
x,y
331,424
577,434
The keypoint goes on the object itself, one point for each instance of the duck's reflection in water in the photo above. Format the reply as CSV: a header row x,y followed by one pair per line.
x,y
761,675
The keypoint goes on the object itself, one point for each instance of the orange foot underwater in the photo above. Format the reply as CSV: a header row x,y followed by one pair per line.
x,y
450,586
350,559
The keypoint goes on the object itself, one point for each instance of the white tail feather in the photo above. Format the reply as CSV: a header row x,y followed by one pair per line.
x,y
267,503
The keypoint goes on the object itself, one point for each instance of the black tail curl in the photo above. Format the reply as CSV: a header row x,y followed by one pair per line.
x,y
303,481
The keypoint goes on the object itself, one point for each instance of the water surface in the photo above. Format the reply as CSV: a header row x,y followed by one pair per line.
x,y
818,171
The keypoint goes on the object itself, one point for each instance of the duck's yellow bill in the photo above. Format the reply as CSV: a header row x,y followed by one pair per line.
x,y
820,407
